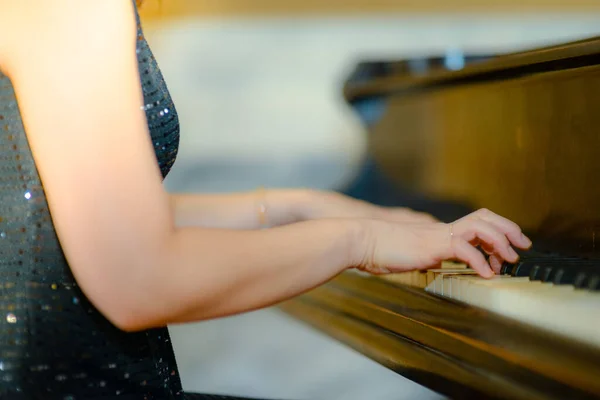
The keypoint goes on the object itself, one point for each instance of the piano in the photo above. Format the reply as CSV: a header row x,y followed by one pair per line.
x,y
518,134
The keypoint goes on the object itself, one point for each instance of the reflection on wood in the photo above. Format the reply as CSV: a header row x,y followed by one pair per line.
x,y
447,346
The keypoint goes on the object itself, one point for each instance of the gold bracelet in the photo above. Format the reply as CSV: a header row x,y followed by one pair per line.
x,y
262,208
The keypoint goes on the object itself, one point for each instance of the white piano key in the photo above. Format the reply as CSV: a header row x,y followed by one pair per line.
x,y
561,309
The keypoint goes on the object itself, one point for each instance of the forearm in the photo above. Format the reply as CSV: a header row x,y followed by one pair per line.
x,y
282,206
214,273
239,210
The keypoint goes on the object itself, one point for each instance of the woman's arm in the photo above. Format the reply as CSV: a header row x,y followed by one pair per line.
x,y
248,210
75,73
74,69
276,207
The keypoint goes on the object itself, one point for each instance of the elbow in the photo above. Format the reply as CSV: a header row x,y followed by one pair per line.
x,y
142,303
132,302
156,313
128,316
138,291
132,324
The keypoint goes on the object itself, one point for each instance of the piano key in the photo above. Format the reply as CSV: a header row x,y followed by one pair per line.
x,y
570,313
453,265
436,277
538,290
594,283
569,271
562,309
463,284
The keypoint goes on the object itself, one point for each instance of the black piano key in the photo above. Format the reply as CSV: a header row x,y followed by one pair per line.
x,y
557,275
563,275
588,281
506,269
523,268
580,278
568,275
581,273
535,272
594,283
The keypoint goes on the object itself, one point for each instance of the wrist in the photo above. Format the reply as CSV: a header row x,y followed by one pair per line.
x,y
286,206
300,204
341,243
357,233
323,204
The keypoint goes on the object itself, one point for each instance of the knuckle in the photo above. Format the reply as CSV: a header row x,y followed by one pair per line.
x,y
479,225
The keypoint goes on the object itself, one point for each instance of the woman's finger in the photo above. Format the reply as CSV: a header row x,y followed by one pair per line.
x,y
464,252
507,227
496,263
491,238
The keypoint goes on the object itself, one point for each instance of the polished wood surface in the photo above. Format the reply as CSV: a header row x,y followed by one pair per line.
x,y
183,8
458,350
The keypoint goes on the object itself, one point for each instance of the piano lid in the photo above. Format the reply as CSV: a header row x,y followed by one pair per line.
x,y
397,76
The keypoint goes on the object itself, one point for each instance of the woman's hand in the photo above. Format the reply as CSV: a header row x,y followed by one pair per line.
x,y
320,205
386,247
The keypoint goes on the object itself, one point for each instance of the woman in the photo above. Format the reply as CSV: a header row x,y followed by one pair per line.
x,y
100,258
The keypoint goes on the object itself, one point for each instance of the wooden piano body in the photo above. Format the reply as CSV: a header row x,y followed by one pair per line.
x,y
519,134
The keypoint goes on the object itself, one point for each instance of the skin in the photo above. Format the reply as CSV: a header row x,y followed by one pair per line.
x,y
146,258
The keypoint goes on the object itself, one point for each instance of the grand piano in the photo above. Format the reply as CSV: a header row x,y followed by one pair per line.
x,y
518,134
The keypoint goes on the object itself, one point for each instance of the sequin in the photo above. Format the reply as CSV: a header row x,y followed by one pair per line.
x,y
27,195
11,318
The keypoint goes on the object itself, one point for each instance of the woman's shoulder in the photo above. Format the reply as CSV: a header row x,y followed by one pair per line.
x,y
8,9
61,27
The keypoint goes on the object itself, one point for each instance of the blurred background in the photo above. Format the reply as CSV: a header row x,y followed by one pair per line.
x,y
258,86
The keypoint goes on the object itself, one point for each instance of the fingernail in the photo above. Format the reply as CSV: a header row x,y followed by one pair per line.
x,y
526,239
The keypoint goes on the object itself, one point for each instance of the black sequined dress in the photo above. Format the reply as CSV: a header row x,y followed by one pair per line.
x,y
53,343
